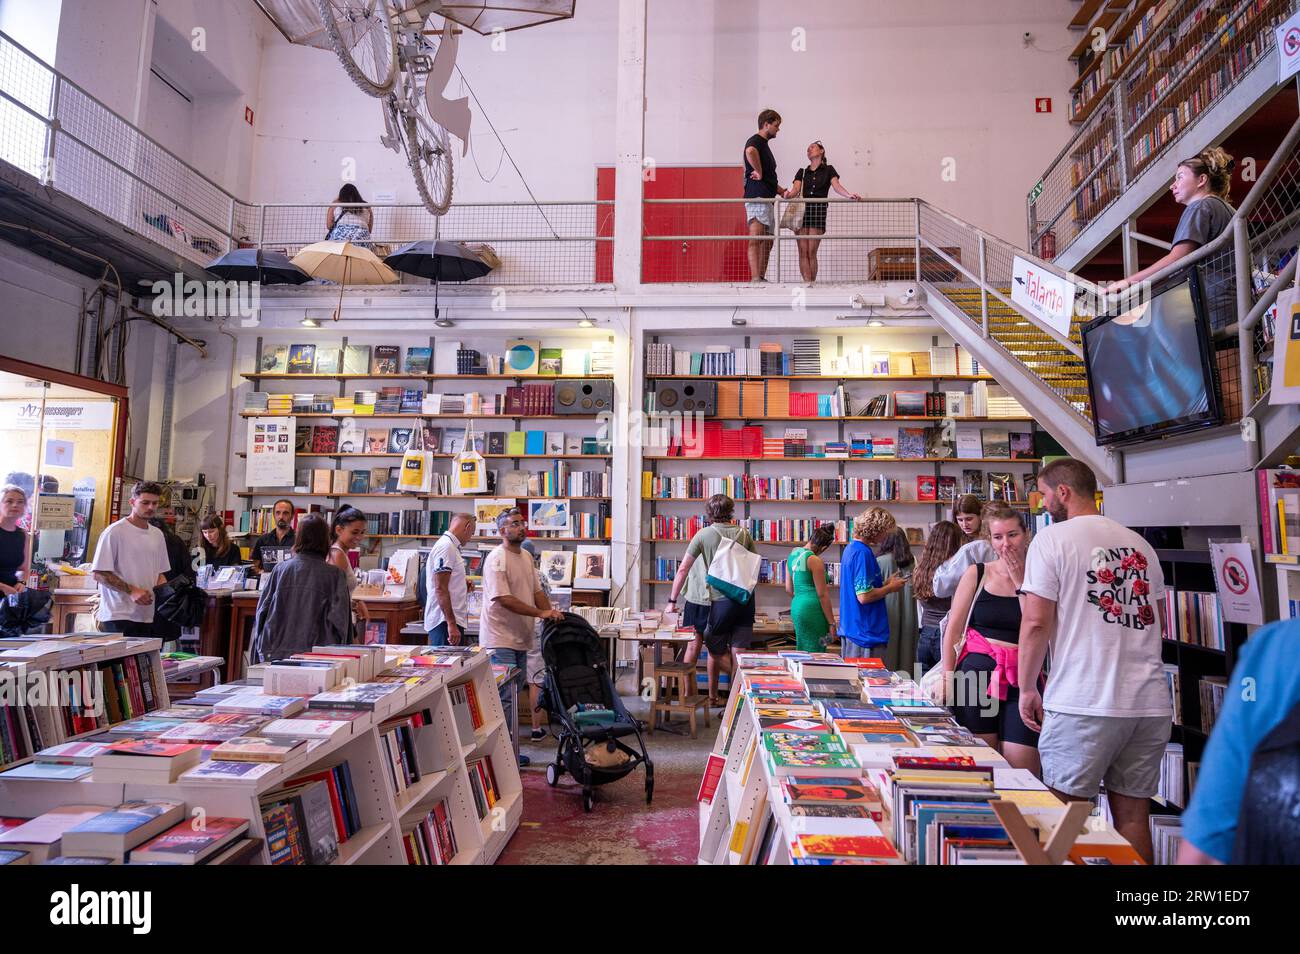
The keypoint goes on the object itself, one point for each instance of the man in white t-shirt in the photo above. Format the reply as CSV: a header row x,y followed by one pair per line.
x,y
1094,593
447,611
130,560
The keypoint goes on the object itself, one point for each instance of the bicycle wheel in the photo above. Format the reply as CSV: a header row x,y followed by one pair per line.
x,y
361,36
428,150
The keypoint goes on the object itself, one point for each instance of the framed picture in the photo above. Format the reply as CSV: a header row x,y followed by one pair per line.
x,y
591,567
548,513
486,510
557,567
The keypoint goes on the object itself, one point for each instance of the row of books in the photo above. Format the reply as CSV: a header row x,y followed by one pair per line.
x,y
300,824
806,357
1212,689
779,531
528,400
770,571
433,840
466,710
398,741
483,785
1195,618
522,357
147,831
843,489
1207,81
80,700
907,443
1172,776
1174,683
350,437
1279,508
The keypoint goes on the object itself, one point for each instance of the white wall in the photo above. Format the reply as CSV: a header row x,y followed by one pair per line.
x,y
892,88
33,24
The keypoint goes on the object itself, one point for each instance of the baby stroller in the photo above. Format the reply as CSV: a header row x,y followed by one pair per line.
x,y
577,692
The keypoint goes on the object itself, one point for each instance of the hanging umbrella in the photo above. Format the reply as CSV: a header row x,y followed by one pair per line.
x,y
344,263
441,261
257,265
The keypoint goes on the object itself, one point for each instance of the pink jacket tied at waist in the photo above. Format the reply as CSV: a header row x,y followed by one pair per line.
x,y
1005,670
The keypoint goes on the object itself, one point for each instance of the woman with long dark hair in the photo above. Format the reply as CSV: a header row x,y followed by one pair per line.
x,y
347,531
944,542
894,555
218,549
351,222
304,601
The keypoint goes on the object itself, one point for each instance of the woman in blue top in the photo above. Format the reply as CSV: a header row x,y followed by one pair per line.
x,y
864,622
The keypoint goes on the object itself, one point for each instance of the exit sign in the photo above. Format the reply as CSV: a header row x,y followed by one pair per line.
x,y
1043,104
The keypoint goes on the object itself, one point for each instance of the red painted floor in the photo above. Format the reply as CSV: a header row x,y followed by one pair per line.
x,y
620,830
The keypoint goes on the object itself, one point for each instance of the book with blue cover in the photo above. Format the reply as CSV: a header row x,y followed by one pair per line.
x,y
535,442
417,360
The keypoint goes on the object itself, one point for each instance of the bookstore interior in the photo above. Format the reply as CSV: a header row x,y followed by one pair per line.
x,y
483,491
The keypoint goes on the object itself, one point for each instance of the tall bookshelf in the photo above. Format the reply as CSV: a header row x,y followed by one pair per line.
x,y
585,425
386,814
910,512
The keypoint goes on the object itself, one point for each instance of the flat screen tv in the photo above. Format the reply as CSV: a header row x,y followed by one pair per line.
x,y
1150,369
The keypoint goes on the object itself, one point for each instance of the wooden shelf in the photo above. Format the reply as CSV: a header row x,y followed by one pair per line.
x,y
437,456
864,460
828,503
441,417
285,376
821,377
833,420
292,493
779,586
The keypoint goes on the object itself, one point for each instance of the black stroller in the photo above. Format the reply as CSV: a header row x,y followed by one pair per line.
x,y
578,694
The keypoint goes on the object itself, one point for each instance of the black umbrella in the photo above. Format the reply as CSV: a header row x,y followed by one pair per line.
x,y
258,265
441,261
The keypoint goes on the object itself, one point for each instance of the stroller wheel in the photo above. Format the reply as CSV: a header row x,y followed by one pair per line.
x,y
587,799
552,775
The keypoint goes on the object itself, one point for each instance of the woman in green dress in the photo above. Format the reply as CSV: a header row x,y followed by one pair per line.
x,y
807,582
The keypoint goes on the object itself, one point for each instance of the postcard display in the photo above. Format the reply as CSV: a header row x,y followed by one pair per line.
x,y
270,461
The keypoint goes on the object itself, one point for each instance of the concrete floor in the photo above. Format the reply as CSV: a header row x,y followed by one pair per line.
x,y
621,829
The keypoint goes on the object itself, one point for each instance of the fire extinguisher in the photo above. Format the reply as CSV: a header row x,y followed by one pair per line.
x,y
1047,246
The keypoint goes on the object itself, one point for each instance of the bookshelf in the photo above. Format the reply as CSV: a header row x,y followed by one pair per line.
x,y
386,815
836,485
131,660
434,360
746,800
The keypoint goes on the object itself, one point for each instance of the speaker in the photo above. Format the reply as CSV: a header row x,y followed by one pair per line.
x,y
688,397
584,396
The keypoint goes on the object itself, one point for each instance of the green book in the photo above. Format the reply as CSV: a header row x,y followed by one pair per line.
x,y
516,441
551,361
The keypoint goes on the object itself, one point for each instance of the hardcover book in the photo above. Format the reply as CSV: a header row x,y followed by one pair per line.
x,y
356,359
302,358
399,440
417,360
328,360
384,359
275,359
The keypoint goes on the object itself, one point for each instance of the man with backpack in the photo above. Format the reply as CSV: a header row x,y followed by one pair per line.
x,y
723,623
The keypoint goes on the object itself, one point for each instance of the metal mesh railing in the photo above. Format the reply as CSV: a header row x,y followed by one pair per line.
x,y
708,240
973,270
537,243
1137,99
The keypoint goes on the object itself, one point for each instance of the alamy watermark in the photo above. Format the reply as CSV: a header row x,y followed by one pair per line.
x,y
83,688
190,298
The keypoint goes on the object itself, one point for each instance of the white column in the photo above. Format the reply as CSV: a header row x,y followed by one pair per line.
x,y
629,143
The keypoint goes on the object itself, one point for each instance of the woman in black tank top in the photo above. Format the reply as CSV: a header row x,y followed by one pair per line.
x,y
989,597
13,540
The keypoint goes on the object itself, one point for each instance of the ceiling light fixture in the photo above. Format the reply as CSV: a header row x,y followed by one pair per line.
x,y
586,323
444,323
739,322
875,323
309,322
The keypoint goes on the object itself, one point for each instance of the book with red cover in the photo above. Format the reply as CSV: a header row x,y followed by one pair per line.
x,y
148,747
1086,854
712,776
325,440
866,662
183,845
957,763
871,847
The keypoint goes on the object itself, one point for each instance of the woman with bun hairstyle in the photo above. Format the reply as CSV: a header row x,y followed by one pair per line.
x,y
1202,184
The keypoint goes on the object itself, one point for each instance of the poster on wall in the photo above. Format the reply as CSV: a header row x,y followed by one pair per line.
x,y
59,415
270,451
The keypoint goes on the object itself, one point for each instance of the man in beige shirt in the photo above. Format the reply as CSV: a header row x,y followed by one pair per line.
x,y
512,600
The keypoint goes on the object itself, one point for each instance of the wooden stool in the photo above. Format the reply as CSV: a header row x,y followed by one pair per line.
x,y
675,692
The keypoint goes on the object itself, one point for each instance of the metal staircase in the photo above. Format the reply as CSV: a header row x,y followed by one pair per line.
x,y
965,274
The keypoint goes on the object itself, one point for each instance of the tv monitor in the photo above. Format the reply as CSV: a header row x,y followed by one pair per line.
x,y
1150,369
